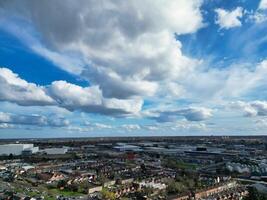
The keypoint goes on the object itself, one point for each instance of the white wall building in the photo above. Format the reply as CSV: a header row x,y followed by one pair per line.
x,y
126,147
54,151
16,149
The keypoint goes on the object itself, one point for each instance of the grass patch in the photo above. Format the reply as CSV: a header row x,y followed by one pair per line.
x,y
174,164
56,192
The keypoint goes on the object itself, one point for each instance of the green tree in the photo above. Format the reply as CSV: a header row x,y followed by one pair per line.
x,y
61,183
107,195
175,187
83,187
255,195
190,183
102,178
73,187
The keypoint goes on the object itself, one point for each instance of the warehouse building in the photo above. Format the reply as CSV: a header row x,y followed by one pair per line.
x,y
17,149
55,151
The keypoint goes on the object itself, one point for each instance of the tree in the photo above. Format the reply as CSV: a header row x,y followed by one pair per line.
x,y
107,195
144,193
61,183
148,191
10,156
102,178
190,183
73,187
83,187
255,195
175,187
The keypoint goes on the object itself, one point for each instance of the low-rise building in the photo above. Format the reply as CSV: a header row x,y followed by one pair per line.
x,y
17,149
54,151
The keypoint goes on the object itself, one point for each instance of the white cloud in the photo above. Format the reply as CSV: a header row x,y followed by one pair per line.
x,y
261,123
196,114
131,127
226,83
17,90
6,126
260,107
129,52
90,99
76,129
101,126
114,85
229,19
60,93
185,125
4,117
190,114
151,127
258,17
58,122
137,59
173,89
263,5
35,120
66,62
251,109
69,95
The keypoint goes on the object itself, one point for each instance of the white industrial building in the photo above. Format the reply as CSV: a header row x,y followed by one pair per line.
x,y
127,147
54,151
17,149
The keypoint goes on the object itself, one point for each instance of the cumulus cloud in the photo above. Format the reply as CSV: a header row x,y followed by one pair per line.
x,y
195,114
97,126
259,16
90,99
131,51
131,127
185,125
36,120
151,127
251,109
190,114
127,51
263,5
128,47
228,19
6,126
17,90
261,123
113,85
63,94
88,126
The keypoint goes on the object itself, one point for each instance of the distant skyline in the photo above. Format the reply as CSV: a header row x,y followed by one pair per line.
x,y
132,68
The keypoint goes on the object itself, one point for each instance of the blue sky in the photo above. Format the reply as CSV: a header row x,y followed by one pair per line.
x,y
120,68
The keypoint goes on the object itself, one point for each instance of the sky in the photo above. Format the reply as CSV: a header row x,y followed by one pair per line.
x,y
132,68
